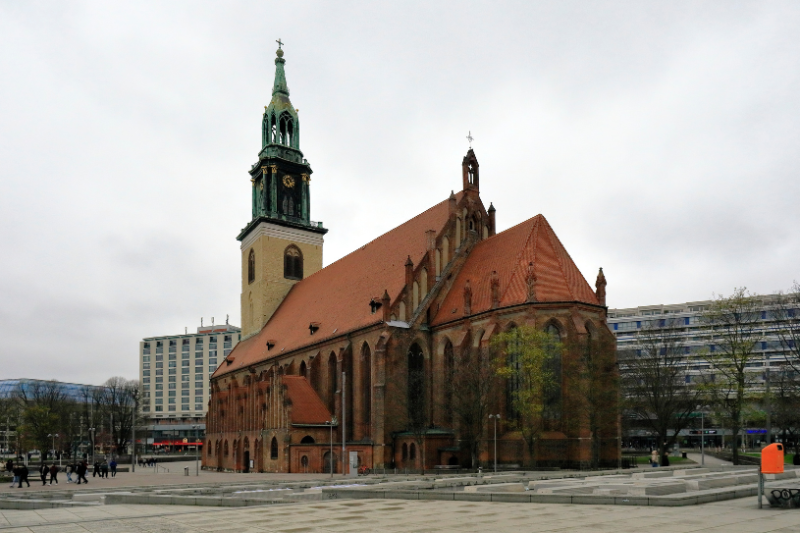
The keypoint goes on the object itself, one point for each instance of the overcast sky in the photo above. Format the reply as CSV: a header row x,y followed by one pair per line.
x,y
660,139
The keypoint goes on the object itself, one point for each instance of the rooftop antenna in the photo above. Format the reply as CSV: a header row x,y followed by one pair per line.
x,y
201,322
227,318
185,330
212,321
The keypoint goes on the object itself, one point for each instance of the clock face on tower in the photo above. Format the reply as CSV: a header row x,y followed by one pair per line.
x,y
288,181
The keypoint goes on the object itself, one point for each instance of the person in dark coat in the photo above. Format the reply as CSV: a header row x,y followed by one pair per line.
x,y
96,469
113,466
14,472
81,470
43,471
23,476
53,474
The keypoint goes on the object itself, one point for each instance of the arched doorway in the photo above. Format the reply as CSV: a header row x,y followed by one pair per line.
x,y
329,460
246,456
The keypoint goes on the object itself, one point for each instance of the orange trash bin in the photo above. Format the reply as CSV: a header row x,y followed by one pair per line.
x,y
772,459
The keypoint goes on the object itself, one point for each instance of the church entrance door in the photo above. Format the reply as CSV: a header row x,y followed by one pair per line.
x,y
326,463
246,461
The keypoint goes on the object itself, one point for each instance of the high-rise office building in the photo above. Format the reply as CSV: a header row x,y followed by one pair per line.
x,y
174,372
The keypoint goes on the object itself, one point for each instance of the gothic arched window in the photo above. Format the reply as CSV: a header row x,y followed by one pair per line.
x,y
416,386
273,449
286,129
251,266
449,371
552,396
292,263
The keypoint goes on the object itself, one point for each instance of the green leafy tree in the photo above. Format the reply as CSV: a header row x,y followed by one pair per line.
x,y
528,354
734,322
39,421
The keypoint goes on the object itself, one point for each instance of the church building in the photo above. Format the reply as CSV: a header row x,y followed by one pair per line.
x,y
327,353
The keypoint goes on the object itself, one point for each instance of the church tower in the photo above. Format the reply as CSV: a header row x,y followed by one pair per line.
x,y
280,244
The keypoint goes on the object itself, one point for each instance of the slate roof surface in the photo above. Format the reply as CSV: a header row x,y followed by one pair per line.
x,y
509,253
307,407
338,296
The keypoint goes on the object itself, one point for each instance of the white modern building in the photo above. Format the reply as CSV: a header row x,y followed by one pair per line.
x,y
174,372
684,319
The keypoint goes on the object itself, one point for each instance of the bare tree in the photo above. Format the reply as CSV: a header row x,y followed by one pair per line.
x,y
784,399
656,394
472,379
116,400
786,312
594,387
408,405
734,323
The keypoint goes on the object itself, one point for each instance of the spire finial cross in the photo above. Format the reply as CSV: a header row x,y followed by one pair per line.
x,y
470,138
280,43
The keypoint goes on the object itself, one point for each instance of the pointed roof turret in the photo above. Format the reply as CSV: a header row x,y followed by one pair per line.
x,y
280,86
280,128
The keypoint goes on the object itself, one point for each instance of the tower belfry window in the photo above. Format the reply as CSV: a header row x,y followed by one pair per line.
x,y
292,263
251,266
471,174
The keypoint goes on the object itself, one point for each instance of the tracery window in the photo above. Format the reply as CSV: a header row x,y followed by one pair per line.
x,y
552,396
292,263
416,386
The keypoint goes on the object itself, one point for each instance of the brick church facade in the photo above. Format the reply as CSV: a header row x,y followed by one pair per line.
x,y
330,350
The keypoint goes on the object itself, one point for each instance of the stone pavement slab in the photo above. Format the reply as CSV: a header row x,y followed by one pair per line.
x,y
407,516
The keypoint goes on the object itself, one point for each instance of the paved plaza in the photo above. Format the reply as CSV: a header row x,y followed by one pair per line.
x,y
739,516
379,515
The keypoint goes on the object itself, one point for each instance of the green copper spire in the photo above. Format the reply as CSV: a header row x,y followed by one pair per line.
x,y
280,130
280,87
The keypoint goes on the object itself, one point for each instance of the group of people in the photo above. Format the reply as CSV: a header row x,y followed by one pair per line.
x,y
150,461
102,469
20,472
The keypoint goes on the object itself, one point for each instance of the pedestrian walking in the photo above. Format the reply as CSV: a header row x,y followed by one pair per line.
x,y
69,469
15,473
113,466
43,470
81,470
23,476
96,469
9,466
654,458
104,469
53,474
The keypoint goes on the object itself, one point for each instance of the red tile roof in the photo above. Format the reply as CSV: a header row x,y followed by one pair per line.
x,y
338,296
509,254
307,407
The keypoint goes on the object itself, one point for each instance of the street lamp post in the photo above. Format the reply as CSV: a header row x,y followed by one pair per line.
x,y
496,418
196,429
54,436
330,424
702,438
91,432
